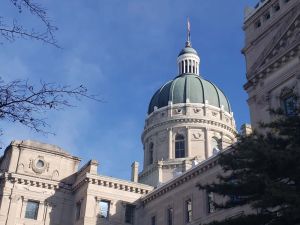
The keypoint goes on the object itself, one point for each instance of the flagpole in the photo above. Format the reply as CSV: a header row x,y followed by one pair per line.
x,y
188,42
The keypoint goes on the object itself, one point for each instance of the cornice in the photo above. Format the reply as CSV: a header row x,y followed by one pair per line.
x,y
189,120
275,63
21,144
285,27
113,183
35,182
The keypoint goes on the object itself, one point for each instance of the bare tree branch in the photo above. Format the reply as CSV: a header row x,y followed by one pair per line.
x,y
15,30
23,103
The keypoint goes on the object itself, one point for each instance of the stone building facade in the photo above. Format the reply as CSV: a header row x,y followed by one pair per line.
x,y
272,49
189,122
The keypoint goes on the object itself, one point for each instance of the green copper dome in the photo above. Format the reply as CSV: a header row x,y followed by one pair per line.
x,y
191,87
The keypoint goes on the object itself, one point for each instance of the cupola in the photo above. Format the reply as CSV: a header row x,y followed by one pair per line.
x,y
188,60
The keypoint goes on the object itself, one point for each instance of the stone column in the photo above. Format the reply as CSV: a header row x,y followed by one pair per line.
x,y
145,156
170,143
207,142
134,171
160,172
47,211
188,142
11,216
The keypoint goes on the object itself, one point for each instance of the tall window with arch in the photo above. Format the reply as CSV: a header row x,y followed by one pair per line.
x,y
151,149
216,145
179,146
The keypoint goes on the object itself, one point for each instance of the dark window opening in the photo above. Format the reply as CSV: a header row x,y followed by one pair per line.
x,y
153,220
170,216
129,213
290,105
78,209
188,211
210,203
151,148
179,146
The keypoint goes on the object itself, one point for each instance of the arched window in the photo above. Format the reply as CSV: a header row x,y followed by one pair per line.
x,y
151,147
215,145
179,146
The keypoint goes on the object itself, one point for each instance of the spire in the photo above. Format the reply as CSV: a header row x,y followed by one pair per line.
x,y
188,41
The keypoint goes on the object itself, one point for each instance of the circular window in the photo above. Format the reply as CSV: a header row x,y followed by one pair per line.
x,y
40,163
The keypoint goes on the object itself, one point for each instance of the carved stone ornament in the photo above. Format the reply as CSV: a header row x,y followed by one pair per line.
x,y
197,110
196,135
214,114
39,165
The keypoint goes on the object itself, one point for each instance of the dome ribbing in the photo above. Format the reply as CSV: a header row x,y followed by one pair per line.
x,y
189,88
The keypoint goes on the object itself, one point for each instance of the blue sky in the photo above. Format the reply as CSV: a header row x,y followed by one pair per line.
x,y
123,51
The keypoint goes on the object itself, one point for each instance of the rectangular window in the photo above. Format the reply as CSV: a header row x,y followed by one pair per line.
x,y
290,105
210,202
170,216
188,211
104,208
150,156
32,209
78,210
153,220
129,213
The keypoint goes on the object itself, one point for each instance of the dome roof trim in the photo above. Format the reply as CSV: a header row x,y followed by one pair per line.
x,y
188,50
189,88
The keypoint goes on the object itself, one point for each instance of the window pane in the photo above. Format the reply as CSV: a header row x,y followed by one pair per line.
x,y
179,147
290,105
210,202
32,208
78,209
170,216
188,208
153,220
104,209
129,214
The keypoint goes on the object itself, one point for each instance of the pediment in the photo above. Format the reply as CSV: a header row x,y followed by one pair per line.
x,y
288,35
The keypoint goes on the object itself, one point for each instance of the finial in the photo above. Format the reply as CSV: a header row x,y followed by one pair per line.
x,y
188,41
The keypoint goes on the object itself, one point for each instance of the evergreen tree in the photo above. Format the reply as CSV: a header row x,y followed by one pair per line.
x,y
263,171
